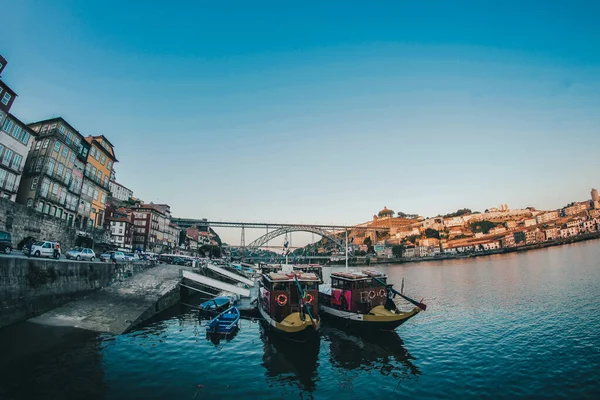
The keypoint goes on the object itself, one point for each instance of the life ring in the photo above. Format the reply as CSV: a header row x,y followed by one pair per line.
x,y
372,294
381,292
309,298
282,299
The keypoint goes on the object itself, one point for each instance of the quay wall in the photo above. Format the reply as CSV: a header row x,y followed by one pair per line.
x,y
30,287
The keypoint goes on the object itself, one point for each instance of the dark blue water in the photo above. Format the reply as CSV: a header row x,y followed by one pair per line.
x,y
517,325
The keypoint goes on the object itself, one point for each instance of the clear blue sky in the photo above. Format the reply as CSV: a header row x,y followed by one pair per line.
x,y
322,113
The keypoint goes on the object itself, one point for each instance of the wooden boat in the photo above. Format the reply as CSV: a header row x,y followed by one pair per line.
x,y
215,305
288,302
364,299
226,322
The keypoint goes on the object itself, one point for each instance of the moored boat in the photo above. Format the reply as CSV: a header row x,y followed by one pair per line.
x,y
215,305
288,302
226,322
364,299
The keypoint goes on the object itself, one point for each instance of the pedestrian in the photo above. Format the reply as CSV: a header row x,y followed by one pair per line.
x,y
56,250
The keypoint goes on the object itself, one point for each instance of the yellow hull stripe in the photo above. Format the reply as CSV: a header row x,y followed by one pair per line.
x,y
380,314
293,323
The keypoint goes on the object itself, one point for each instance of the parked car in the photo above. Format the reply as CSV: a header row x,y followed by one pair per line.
x,y
119,256
5,242
81,253
44,249
131,257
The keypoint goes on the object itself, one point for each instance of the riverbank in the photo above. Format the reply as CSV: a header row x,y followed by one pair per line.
x,y
361,261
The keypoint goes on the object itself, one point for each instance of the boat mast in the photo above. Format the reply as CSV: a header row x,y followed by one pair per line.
x,y
346,250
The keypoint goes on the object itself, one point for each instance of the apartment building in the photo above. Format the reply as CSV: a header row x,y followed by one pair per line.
x,y
119,191
546,217
121,230
98,169
15,142
53,174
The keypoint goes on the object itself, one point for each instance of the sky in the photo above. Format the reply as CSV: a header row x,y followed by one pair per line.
x,y
307,112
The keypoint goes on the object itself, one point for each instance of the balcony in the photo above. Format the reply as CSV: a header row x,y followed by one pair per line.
x,y
53,198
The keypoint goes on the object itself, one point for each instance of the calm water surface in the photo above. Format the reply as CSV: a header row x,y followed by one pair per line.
x,y
517,325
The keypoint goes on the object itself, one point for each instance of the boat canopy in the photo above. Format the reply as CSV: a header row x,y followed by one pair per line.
x,y
291,277
358,275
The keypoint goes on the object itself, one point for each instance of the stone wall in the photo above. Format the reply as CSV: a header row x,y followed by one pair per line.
x,y
30,287
22,222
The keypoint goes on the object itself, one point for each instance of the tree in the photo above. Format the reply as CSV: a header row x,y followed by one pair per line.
x,y
458,213
483,226
432,233
412,238
398,250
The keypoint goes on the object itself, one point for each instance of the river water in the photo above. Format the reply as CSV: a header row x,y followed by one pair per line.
x,y
503,326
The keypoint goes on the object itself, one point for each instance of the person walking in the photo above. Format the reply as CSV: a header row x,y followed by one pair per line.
x,y
56,250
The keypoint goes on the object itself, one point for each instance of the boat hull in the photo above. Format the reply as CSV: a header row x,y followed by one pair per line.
x,y
380,321
292,327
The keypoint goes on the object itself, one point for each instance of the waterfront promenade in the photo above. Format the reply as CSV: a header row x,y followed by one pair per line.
x,y
121,306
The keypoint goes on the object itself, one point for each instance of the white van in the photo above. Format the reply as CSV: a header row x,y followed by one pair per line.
x,y
44,249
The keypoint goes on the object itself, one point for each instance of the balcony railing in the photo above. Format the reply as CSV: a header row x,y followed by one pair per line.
x,y
97,181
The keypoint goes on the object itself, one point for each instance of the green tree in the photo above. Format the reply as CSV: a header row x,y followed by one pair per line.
x,y
432,233
483,226
398,250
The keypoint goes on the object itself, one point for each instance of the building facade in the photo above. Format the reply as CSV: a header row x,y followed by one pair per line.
x,y
16,140
98,169
53,173
121,233
119,191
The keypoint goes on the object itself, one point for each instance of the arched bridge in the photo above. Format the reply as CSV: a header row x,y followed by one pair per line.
x,y
261,241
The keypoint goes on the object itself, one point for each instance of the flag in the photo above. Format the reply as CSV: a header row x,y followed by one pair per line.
x,y
352,240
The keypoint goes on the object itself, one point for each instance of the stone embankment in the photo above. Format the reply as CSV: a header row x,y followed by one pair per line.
x,y
31,286
121,306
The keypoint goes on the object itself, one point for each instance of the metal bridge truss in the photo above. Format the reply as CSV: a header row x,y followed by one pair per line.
x,y
297,228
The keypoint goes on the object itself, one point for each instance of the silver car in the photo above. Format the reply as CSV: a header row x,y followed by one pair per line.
x,y
81,253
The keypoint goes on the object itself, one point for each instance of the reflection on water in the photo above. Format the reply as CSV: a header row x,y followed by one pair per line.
x,y
289,363
383,352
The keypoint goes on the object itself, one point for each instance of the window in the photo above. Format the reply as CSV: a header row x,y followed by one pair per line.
x,y
16,133
68,176
88,168
38,164
55,188
103,198
65,152
106,181
46,211
8,124
60,170
96,193
10,181
57,146
99,176
61,129
1,148
38,144
50,165
29,202
59,213
45,187
34,183
72,158
97,155
93,152
6,98
24,138
53,210
45,145
63,196
103,160
7,157
40,206
70,136
2,176
16,164
94,171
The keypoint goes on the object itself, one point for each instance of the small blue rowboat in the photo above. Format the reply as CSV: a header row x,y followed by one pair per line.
x,y
226,322
216,305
